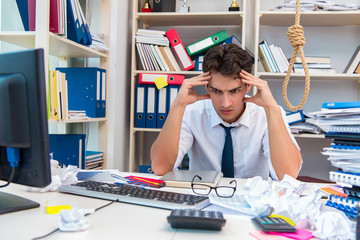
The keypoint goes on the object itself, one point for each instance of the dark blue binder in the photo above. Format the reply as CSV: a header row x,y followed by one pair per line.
x,y
151,107
24,13
82,88
173,90
68,149
73,25
140,106
162,108
102,110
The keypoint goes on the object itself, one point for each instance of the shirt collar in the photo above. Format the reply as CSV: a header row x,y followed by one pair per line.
x,y
243,120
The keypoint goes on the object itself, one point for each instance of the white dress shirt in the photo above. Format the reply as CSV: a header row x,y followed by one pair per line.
x,y
203,139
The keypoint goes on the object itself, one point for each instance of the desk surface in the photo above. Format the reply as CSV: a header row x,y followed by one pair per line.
x,y
117,221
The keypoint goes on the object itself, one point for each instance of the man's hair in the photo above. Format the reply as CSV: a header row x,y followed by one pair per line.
x,y
228,60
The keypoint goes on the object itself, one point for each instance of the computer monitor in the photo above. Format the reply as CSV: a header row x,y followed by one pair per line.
x,y
24,138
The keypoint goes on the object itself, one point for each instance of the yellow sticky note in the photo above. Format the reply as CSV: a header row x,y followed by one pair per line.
x,y
56,209
160,82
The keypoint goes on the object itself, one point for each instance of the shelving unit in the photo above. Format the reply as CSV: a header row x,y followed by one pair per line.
x,y
322,21
65,49
166,21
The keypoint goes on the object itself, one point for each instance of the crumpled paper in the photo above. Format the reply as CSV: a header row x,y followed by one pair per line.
x,y
74,220
306,211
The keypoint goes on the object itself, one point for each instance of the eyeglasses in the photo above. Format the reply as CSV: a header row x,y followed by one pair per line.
x,y
221,191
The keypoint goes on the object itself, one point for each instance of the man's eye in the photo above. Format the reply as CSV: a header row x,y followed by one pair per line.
x,y
215,91
235,90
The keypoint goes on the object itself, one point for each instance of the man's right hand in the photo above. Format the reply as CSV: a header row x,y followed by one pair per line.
x,y
187,94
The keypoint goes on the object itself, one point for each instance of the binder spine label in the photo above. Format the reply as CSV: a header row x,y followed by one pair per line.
x,y
183,56
201,45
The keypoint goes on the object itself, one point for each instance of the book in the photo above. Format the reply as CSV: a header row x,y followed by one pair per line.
x,y
335,105
354,61
314,59
183,178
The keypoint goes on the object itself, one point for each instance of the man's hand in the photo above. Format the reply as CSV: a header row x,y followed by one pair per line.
x,y
263,97
187,94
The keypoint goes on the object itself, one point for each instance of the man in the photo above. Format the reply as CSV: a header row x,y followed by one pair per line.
x,y
261,140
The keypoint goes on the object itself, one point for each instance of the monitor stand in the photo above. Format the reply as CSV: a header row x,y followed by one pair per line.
x,y
11,203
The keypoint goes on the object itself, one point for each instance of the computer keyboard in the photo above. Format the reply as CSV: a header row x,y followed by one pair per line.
x,y
137,195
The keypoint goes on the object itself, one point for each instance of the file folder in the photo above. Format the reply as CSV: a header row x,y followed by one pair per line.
x,y
151,108
200,47
233,39
82,88
140,106
337,105
198,62
162,107
171,79
68,149
103,94
173,91
73,25
98,94
24,14
179,49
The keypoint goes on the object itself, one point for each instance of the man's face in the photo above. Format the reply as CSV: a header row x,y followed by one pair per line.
x,y
227,96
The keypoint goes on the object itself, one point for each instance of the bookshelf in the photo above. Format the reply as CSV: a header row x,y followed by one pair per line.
x,y
191,27
323,31
65,52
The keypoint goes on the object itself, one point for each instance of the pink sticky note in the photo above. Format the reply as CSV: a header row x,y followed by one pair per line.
x,y
260,235
301,234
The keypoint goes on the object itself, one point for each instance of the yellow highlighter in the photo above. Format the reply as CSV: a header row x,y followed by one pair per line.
x,y
56,209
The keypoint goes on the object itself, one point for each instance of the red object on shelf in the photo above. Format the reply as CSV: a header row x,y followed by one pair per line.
x,y
146,10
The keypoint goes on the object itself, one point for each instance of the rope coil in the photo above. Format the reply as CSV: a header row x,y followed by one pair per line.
x,y
297,40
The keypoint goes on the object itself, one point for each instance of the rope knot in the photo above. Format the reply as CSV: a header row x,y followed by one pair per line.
x,y
296,36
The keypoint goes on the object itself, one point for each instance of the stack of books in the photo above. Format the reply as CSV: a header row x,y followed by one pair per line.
x,y
344,152
273,58
154,51
315,64
94,160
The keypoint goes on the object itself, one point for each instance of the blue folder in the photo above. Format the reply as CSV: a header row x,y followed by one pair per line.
x,y
140,106
173,90
102,110
82,89
68,149
73,25
24,13
336,105
151,107
162,108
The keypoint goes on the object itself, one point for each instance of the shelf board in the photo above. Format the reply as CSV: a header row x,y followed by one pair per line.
x,y
297,76
21,39
78,120
59,46
317,18
191,18
63,47
302,135
146,130
309,135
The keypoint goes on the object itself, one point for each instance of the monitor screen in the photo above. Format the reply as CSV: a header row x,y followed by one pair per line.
x,y
23,124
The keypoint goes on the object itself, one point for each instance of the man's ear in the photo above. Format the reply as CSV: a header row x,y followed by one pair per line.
x,y
207,88
248,87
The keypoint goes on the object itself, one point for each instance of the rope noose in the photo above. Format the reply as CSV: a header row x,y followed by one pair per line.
x,y
296,37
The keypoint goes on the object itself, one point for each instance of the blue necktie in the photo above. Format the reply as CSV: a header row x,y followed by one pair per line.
x,y
227,164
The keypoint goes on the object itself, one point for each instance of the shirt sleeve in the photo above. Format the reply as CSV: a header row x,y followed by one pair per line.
x,y
185,143
266,146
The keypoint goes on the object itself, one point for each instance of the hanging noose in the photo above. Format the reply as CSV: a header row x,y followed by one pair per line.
x,y
296,37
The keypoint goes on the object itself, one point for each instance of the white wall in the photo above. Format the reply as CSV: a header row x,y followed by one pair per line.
x,y
320,41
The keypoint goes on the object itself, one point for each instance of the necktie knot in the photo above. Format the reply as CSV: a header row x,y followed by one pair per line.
x,y
227,129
